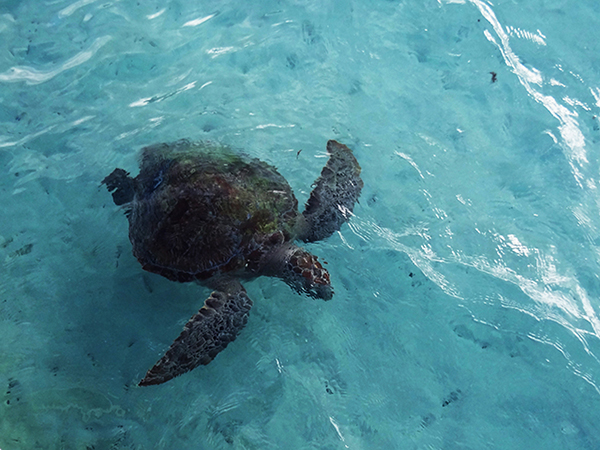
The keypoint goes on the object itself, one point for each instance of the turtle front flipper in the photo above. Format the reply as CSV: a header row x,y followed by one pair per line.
x,y
122,184
336,191
207,333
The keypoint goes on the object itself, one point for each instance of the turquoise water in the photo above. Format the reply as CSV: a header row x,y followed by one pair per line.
x,y
467,283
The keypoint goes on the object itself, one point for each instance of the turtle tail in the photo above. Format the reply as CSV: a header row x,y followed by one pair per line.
x,y
122,184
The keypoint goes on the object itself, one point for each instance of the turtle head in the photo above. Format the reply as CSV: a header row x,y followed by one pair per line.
x,y
323,291
301,270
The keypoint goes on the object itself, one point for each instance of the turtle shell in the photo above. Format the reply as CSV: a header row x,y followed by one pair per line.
x,y
201,209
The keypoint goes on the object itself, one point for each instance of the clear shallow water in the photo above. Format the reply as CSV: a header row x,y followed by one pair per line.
x,y
467,288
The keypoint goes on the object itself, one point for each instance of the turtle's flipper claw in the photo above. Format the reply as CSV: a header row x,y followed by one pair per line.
x,y
208,332
335,193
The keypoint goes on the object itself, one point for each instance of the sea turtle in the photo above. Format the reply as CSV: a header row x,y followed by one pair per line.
x,y
201,212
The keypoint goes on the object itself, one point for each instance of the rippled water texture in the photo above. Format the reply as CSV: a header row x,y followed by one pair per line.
x,y
467,286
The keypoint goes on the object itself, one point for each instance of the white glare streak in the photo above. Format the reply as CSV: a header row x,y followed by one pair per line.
x,y
155,15
409,160
65,12
589,310
199,21
273,125
596,94
27,138
337,429
147,100
219,51
516,246
569,127
34,76
422,258
524,34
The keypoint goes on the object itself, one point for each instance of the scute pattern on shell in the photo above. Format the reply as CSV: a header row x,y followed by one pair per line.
x,y
201,209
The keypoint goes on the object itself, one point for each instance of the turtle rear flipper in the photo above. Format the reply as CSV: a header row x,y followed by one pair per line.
x,y
123,186
207,333
336,191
